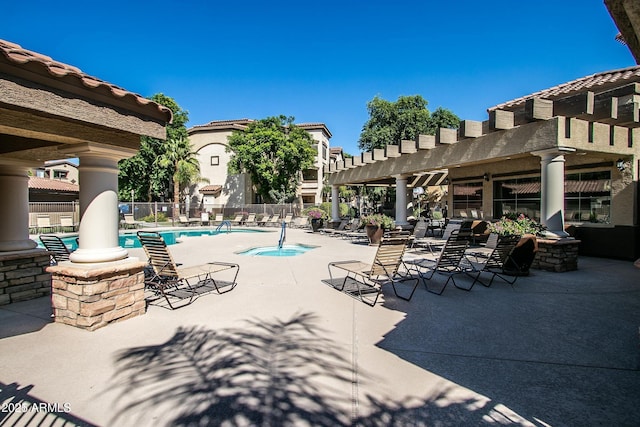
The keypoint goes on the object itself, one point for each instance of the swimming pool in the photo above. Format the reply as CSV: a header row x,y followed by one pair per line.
x,y
171,237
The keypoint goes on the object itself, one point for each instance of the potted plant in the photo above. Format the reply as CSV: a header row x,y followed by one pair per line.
x,y
525,251
316,217
375,225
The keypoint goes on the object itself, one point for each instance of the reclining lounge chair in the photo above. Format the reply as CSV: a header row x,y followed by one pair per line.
x,y
369,278
166,279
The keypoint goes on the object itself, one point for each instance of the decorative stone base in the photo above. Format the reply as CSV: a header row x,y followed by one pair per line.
x,y
23,275
557,255
92,296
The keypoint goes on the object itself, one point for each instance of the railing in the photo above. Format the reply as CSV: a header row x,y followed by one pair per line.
x,y
283,235
223,223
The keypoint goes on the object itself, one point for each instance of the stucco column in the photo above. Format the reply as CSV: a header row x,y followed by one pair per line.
x,y
335,203
14,217
401,200
552,191
99,215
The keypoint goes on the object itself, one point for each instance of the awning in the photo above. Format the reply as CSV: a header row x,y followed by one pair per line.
x,y
430,179
211,190
587,186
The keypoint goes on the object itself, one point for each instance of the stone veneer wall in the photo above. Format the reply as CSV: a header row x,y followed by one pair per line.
x,y
557,255
93,298
23,276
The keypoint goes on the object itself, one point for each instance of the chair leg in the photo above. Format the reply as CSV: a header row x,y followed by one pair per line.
x,y
233,282
393,284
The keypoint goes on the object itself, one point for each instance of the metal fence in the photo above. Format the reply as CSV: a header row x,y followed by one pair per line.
x,y
161,211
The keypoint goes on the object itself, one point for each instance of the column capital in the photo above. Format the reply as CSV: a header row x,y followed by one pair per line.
x,y
99,150
553,151
402,176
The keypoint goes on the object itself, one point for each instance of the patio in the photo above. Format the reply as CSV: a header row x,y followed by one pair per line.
x,y
284,348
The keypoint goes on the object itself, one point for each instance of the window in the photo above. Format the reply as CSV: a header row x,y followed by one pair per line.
x,y
60,174
517,196
310,175
587,197
215,160
467,197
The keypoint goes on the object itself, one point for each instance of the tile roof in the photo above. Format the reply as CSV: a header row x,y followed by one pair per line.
x,y
240,123
37,183
598,82
19,56
211,189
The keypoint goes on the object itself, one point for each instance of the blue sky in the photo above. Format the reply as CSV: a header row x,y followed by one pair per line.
x,y
323,61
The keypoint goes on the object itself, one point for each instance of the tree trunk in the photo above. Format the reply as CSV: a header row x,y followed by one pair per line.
x,y
176,198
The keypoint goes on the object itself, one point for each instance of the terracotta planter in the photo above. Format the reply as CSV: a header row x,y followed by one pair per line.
x,y
374,233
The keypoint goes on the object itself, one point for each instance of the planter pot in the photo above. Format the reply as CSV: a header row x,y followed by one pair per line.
x,y
374,233
522,256
316,224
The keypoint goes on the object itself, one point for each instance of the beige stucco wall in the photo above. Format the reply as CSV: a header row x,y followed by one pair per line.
x,y
214,143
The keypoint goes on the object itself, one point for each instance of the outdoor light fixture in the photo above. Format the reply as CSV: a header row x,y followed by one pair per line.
x,y
486,176
621,165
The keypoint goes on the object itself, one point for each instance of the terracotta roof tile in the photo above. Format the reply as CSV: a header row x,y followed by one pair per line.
x,y
17,55
599,82
211,189
37,183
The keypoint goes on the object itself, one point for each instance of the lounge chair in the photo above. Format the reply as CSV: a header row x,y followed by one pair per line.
x,y
448,262
434,244
43,224
218,219
369,278
67,224
187,221
166,279
265,219
496,261
273,221
58,251
238,220
251,219
336,231
129,222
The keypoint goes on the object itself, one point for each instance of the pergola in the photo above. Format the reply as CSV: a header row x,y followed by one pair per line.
x,y
50,110
594,120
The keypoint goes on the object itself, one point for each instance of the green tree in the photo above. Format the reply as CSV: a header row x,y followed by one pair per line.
x,y
405,119
273,152
141,173
442,118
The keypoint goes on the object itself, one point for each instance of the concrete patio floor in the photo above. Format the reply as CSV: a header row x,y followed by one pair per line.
x,y
284,348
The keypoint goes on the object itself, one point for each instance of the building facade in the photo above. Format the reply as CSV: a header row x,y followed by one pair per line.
x,y
209,141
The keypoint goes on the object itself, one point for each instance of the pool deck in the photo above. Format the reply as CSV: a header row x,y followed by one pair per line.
x,y
284,348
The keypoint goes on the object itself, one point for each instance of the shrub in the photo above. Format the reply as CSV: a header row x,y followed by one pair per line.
x,y
315,213
379,220
516,224
162,217
343,209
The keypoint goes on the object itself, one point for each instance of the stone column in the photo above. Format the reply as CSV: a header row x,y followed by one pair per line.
x,y
14,217
401,200
99,215
552,191
335,203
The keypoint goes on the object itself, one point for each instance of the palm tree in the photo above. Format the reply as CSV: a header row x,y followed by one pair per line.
x,y
186,168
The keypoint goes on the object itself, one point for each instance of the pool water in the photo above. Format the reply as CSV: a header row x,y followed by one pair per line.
x,y
285,251
171,237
